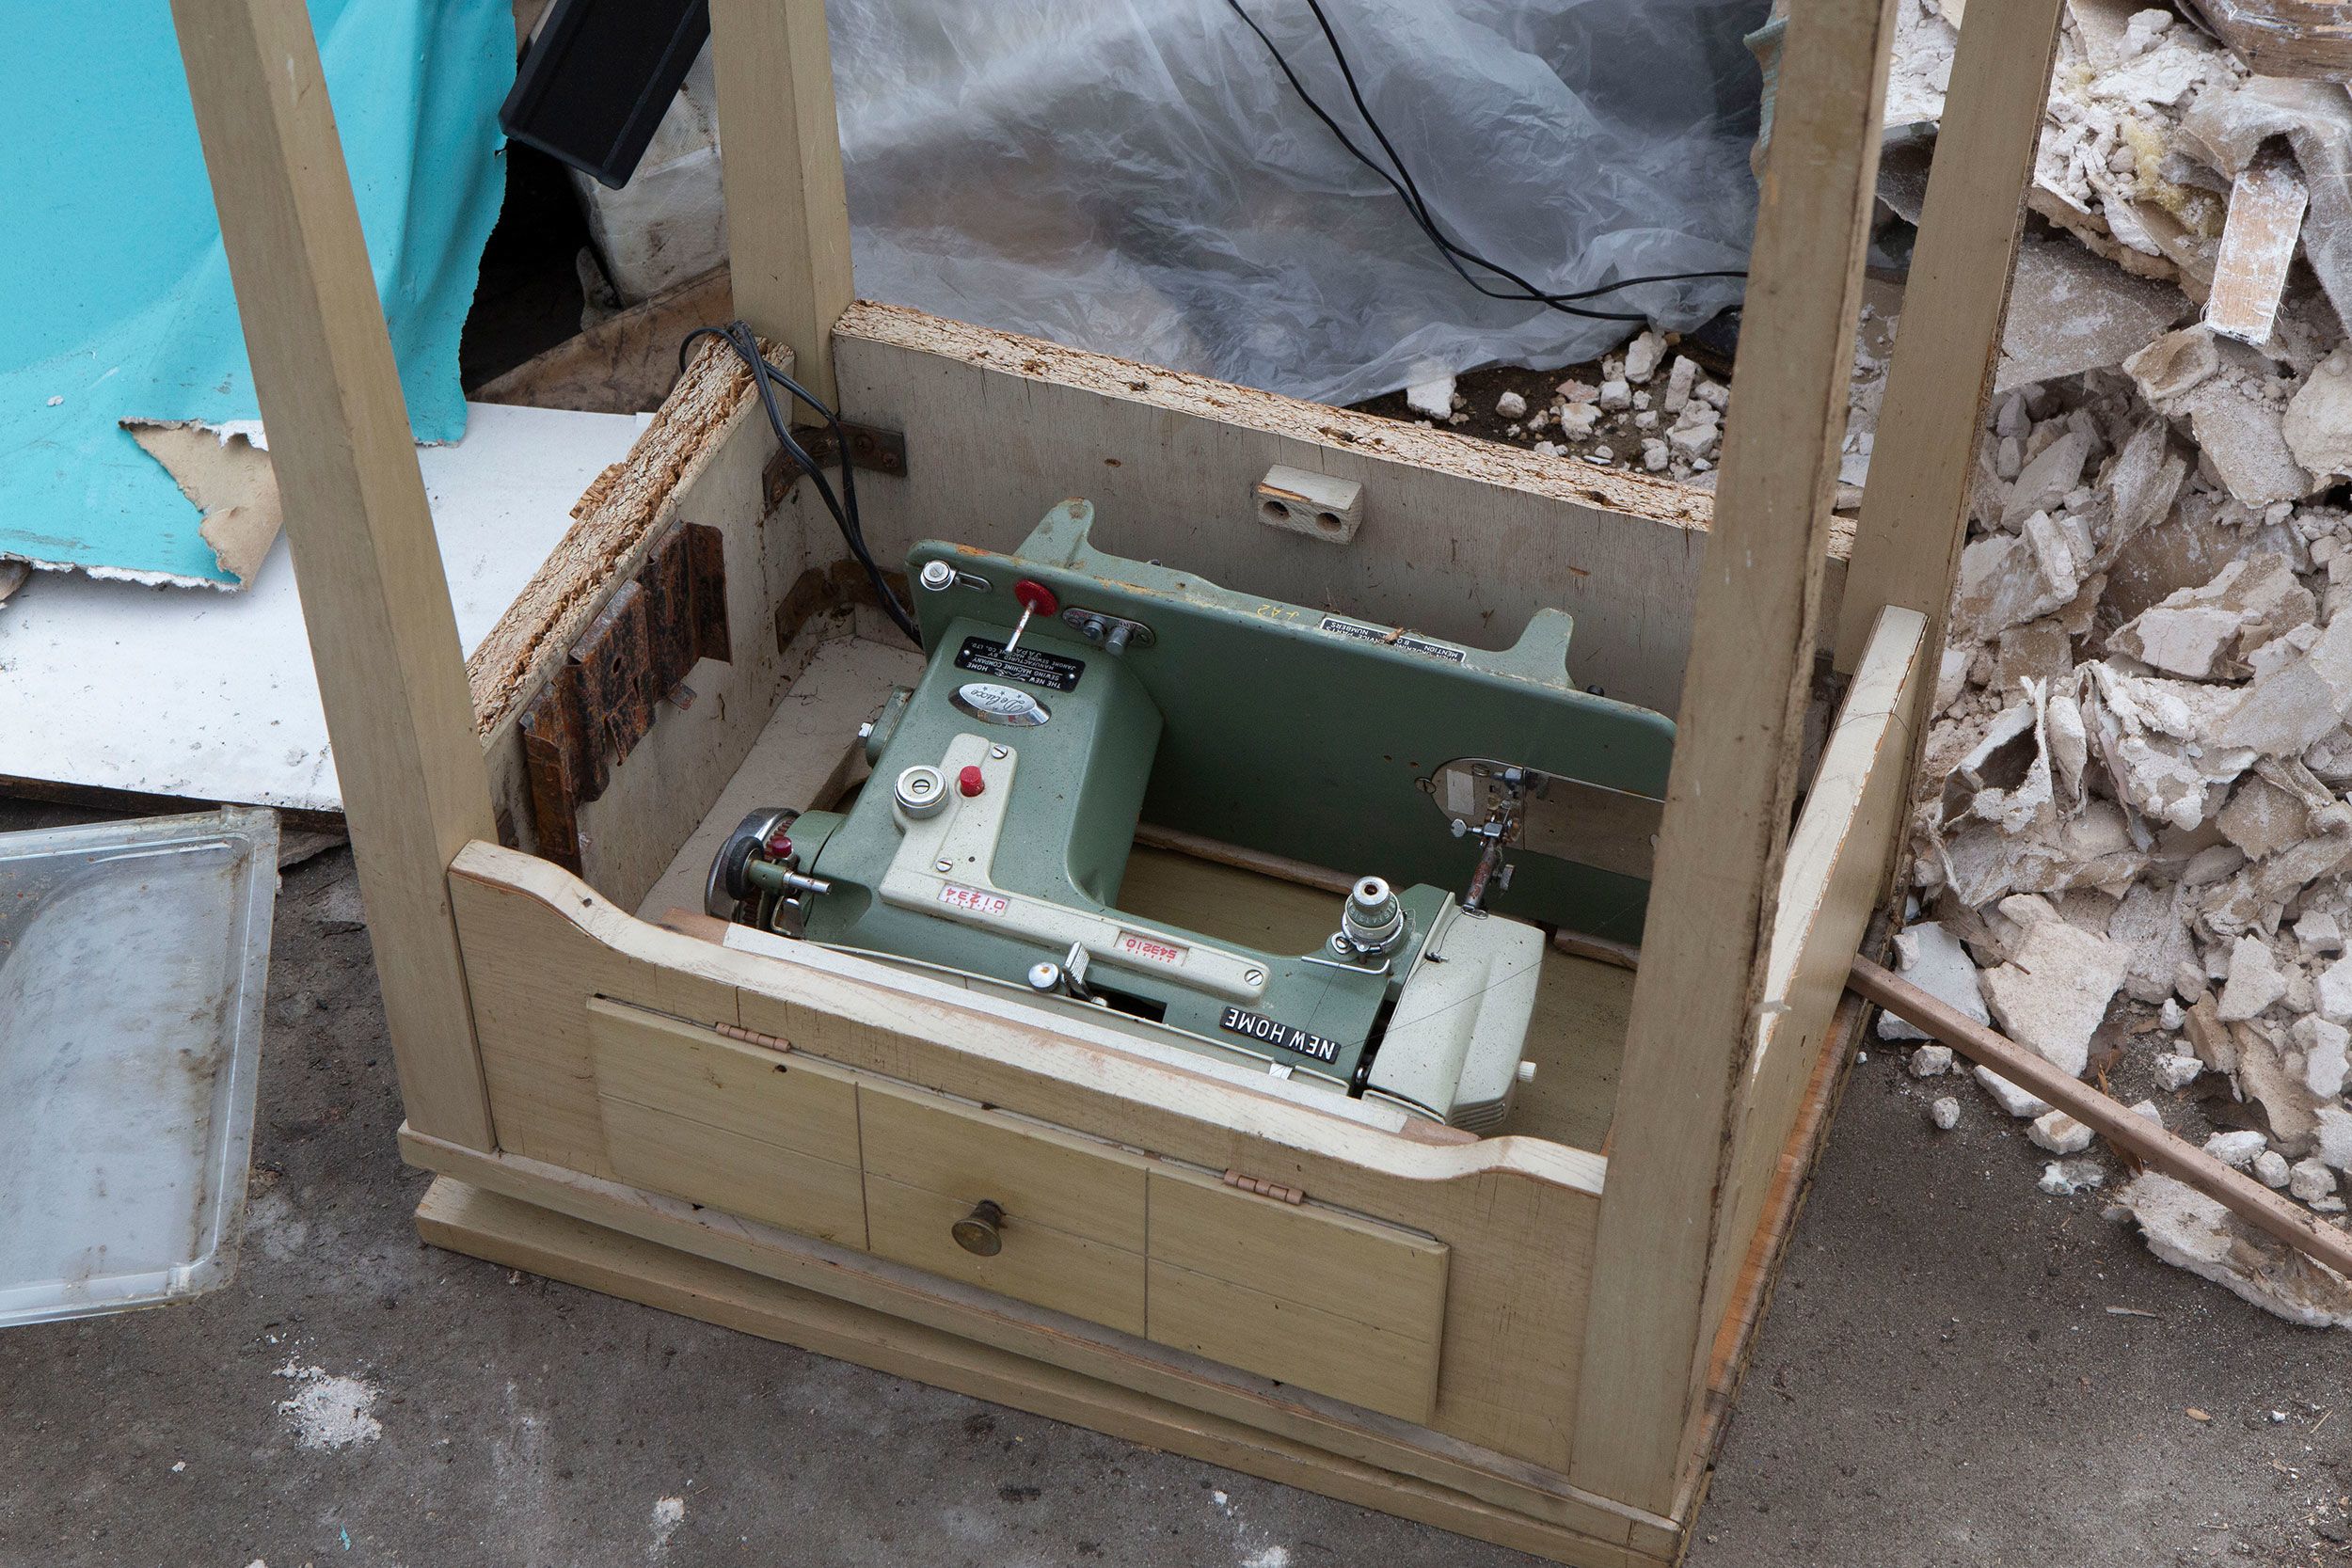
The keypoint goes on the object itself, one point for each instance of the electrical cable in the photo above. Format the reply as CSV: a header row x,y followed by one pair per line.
x,y
1408,191
765,378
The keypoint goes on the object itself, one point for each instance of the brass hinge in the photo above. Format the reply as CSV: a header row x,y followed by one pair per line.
x,y
1264,1188
752,1036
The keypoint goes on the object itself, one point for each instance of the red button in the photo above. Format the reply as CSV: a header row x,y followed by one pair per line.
x,y
1034,597
970,781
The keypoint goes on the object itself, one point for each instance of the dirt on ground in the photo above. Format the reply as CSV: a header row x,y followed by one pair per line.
x,y
1956,1370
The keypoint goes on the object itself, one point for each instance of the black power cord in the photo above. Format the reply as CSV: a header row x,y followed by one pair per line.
x,y
765,378
1408,192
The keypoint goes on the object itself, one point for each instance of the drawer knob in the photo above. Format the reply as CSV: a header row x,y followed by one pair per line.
x,y
979,1231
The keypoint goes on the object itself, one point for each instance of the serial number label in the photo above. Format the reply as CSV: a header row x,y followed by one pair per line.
x,y
1134,945
1363,633
971,898
985,656
1267,1031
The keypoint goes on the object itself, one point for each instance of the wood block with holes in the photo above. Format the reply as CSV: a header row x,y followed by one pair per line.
x,y
1302,1294
1313,504
739,1128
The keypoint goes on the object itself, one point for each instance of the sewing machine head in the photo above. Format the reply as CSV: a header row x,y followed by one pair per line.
x,y
1071,695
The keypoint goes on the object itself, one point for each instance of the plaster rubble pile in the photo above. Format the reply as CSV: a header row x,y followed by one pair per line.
x,y
2132,841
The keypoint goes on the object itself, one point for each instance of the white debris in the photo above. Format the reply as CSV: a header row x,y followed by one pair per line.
x,y
1432,398
1615,395
2059,1133
2311,1180
2178,1072
2318,934
2324,1044
2065,1178
2318,422
2254,981
1511,405
1642,356
2335,1137
2235,1150
1932,1061
2270,1168
2189,1230
1944,1114
2053,993
1931,958
330,1411
1678,377
2016,1101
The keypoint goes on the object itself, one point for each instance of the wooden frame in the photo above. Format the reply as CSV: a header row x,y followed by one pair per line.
x,y
1582,1312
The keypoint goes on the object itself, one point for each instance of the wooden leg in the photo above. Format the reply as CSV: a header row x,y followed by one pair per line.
x,y
382,634
1699,990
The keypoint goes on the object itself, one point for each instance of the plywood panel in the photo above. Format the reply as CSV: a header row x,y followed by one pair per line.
x,y
1033,1172
1260,1332
736,1173
752,1090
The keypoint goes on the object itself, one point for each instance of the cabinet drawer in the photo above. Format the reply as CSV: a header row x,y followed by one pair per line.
x,y
763,1133
1072,1231
1300,1293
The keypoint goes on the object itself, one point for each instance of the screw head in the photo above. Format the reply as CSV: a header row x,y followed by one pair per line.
x,y
1253,976
942,865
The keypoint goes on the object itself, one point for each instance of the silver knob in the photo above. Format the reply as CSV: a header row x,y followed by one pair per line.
x,y
921,791
937,575
1044,976
1374,919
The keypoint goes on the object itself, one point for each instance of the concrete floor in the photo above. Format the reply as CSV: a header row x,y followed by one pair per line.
x,y
1940,1381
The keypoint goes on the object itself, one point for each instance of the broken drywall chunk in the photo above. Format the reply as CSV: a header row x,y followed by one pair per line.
x,y
2334,1134
1930,957
2319,934
2210,631
2178,1072
2261,1074
2261,819
2189,1230
2052,995
2016,1101
2240,437
1944,1114
2311,1180
2324,1044
2270,1168
2174,365
2071,311
2044,482
2059,1133
2235,1150
228,478
1431,399
2334,991
2065,1178
1932,1061
2010,578
2255,982
2318,422
2285,711
1642,356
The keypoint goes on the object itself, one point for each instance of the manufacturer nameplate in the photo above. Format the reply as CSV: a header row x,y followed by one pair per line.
x,y
973,899
985,656
1267,1030
1387,638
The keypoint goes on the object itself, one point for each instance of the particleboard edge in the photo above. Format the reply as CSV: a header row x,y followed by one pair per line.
x,y
518,1235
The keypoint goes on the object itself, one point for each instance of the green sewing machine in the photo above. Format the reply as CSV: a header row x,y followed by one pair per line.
x,y
1071,694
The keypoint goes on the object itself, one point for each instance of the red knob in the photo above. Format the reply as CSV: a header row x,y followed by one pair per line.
x,y
1034,597
970,781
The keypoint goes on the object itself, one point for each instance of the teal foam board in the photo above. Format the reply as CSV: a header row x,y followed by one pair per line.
x,y
120,301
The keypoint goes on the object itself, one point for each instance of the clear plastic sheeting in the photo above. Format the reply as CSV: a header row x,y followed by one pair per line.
x,y
1136,178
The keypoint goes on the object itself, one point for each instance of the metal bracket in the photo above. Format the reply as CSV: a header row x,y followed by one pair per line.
x,y
884,451
603,700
